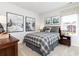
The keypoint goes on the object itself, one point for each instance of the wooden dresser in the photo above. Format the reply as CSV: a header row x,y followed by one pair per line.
x,y
9,47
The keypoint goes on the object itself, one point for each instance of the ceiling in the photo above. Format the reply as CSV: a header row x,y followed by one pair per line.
x,y
40,7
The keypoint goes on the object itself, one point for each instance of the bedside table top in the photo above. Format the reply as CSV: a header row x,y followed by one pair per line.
x,y
65,36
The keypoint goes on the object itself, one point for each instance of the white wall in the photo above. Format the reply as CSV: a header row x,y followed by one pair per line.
x,y
66,11
8,7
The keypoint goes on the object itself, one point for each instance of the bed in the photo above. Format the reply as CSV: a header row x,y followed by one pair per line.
x,y
43,42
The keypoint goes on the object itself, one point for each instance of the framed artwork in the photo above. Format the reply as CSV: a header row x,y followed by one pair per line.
x,y
52,21
48,20
1,28
15,22
29,24
56,20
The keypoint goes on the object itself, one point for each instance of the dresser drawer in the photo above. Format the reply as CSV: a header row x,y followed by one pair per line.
x,y
65,42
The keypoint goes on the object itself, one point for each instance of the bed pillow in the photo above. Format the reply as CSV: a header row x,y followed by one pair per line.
x,y
54,29
46,29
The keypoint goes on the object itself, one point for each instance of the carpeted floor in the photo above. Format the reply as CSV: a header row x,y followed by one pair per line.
x,y
60,50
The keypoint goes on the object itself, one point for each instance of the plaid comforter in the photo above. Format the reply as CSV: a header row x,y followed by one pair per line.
x,y
42,40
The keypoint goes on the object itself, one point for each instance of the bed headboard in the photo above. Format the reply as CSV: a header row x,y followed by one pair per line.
x,y
54,27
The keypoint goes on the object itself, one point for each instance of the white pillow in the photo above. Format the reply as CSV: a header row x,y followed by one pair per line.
x,y
47,30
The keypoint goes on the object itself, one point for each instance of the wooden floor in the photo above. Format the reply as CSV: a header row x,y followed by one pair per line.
x,y
60,50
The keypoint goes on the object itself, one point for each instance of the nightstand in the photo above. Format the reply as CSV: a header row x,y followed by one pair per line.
x,y
65,40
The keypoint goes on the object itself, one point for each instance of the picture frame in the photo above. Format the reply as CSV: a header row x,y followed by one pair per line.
x,y
48,21
29,24
54,20
1,28
14,22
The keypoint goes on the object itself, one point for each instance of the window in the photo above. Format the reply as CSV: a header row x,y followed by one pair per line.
x,y
68,24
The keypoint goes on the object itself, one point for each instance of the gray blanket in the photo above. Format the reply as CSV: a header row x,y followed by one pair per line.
x,y
42,40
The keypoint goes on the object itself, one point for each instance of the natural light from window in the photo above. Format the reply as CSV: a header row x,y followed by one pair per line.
x,y
68,24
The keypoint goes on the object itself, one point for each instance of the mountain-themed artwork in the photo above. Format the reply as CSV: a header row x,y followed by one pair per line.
x,y
54,20
15,22
29,24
